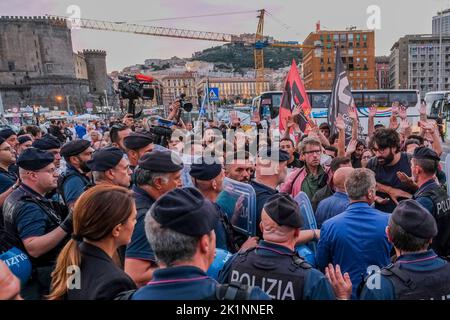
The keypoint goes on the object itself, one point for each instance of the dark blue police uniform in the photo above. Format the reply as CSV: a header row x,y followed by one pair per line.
x,y
139,247
274,268
184,283
427,276
425,201
263,193
7,180
73,185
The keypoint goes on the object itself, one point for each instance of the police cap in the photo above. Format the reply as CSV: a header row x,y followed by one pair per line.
x,y
161,161
6,133
205,171
414,219
34,159
282,209
425,153
186,211
75,147
23,139
105,159
47,142
136,141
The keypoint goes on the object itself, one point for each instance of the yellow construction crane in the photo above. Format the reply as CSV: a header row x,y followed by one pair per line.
x,y
259,44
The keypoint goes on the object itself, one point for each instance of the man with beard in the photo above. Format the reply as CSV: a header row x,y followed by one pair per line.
x,y
388,164
432,196
73,181
239,166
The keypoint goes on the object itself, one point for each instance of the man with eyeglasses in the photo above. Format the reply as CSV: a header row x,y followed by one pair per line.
x,y
388,164
74,180
312,176
35,223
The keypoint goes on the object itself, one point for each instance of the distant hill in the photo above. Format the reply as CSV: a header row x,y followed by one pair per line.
x,y
235,57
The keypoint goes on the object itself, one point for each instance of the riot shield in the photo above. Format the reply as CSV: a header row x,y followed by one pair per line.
x,y
238,201
307,250
220,259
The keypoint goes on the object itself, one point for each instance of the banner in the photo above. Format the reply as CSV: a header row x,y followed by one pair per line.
x,y
341,98
294,95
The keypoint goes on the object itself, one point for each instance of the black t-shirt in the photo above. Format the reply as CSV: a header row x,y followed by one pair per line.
x,y
387,175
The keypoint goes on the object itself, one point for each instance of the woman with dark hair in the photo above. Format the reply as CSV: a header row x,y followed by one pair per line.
x,y
103,220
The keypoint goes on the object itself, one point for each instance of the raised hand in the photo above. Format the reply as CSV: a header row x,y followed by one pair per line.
x,y
373,110
428,125
352,113
256,117
341,283
423,108
339,123
351,147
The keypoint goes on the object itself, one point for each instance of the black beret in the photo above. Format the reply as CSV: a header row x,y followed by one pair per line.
x,y
161,161
34,159
205,171
2,140
6,133
415,219
425,153
137,141
284,210
75,147
105,159
266,153
24,138
186,211
47,142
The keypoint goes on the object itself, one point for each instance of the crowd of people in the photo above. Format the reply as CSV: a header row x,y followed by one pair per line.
x,y
131,209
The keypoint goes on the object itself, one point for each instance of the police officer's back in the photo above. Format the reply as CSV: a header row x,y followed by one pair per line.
x,y
432,196
273,265
418,272
180,228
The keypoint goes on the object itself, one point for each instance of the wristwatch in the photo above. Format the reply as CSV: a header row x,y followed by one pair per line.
x,y
15,186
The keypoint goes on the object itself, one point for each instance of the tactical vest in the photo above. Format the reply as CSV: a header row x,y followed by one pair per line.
x,y
64,177
419,285
12,207
280,276
441,213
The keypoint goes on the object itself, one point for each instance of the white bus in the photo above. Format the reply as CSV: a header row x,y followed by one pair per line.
x,y
268,104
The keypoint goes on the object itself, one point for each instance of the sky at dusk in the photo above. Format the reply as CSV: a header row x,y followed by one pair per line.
x,y
288,20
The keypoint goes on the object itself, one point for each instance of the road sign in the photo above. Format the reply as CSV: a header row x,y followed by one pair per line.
x,y
213,94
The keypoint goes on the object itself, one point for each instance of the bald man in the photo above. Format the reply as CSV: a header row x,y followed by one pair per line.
x,y
338,202
9,284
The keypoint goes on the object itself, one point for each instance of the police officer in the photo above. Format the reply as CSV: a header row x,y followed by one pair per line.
x,y
10,136
271,170
418,273
137,144
33,220
432,196
208,179
273,265
110,166
157,173
25,142
50,144
73,181
7,178
180,228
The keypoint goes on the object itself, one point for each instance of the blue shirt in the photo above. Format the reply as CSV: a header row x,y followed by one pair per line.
x,y
354,239
263,193
424,262
316,285
183,283
139,247
331,206
81,131
7,180
74,185
426,202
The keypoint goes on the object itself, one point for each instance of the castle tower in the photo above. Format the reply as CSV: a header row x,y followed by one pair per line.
x,y
96,70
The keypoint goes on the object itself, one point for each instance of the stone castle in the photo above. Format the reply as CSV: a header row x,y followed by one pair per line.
x,y
38,66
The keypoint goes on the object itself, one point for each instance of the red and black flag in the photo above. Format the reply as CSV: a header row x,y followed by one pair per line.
x,y
294,96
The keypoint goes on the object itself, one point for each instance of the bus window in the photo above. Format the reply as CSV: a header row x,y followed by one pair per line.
x,y
276,100
408,99
358,97
320,100
380,99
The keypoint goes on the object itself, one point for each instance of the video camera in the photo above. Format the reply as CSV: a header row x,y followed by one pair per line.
x,y
135,87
